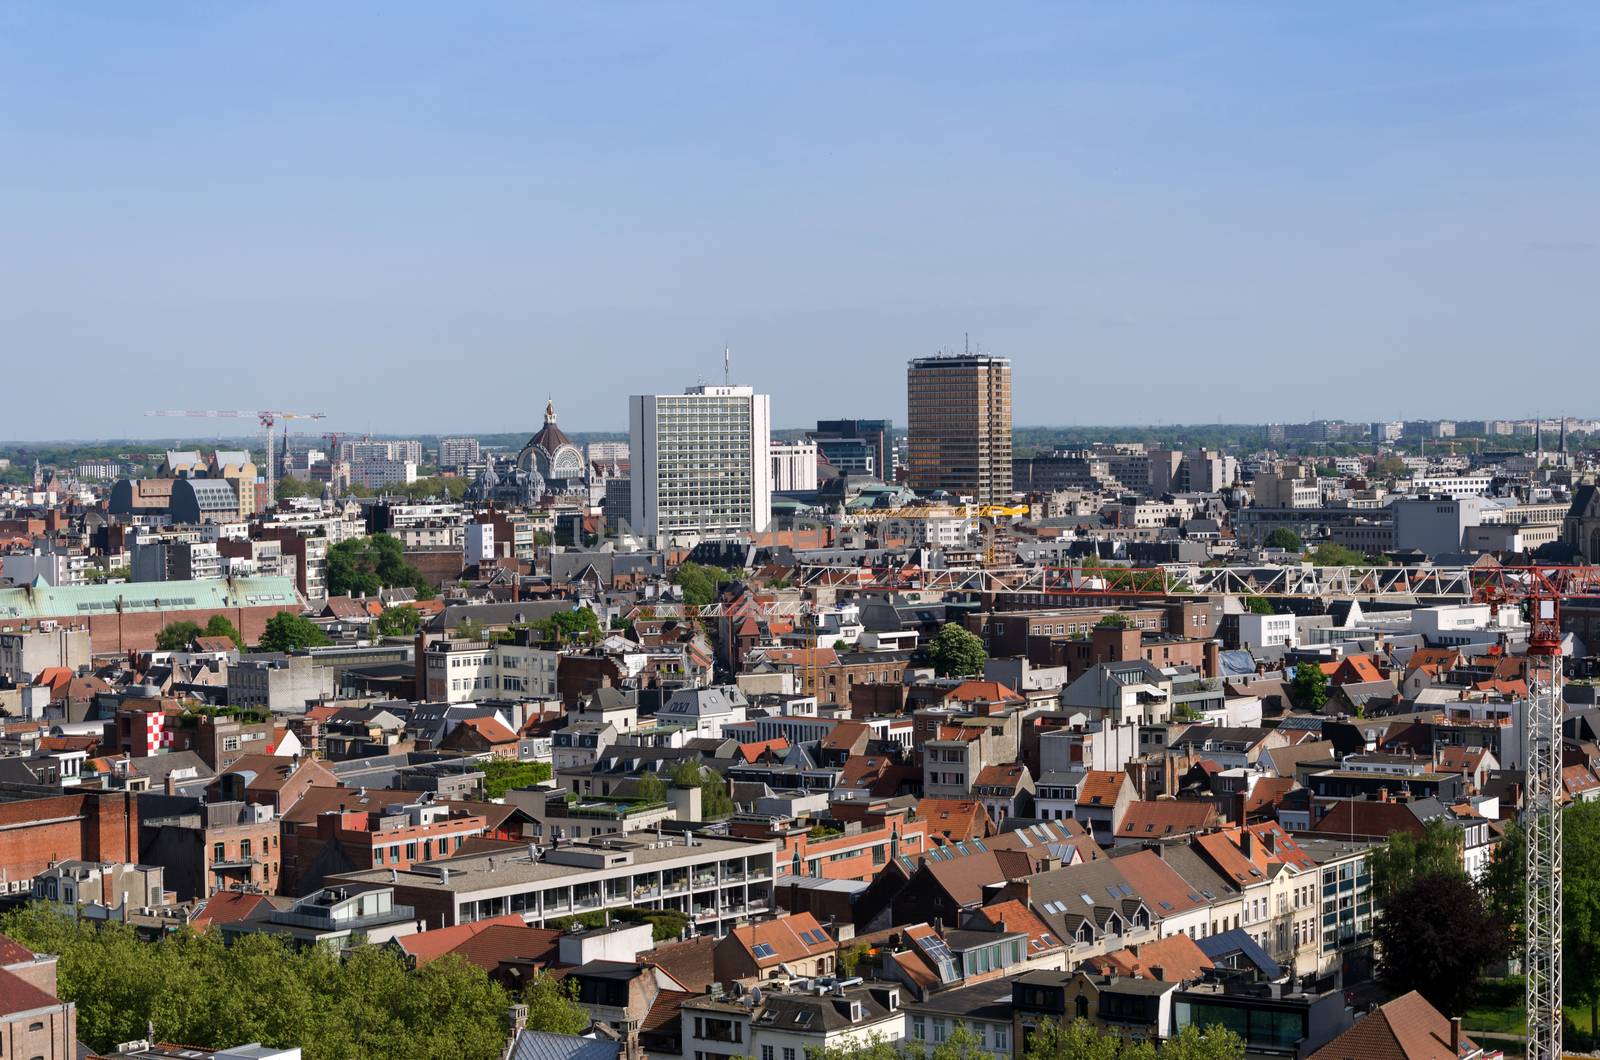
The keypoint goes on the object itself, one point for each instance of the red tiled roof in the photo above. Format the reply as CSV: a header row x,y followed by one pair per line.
x,y
13,952
1407,1028
229,907
19,995
956,818
490,729
426,946
1176,957
1101,787
983,692
786,937
1018,917
1150,819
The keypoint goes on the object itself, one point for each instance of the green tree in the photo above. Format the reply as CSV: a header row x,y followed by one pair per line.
x,y
363,566
469,629
288,632
1284,538
563,627
402,621
1580,906
1077,1040
1329,554
650,788
1309,686
1504,883
1259,605
286,488
954,652
1397,863
219,626
1436,936
177,636
1114,620
1191,1043
715,802
687,774
553,1005
700,584
877,1047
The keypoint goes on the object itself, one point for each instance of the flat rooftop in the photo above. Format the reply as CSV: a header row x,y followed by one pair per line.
x,y
514,868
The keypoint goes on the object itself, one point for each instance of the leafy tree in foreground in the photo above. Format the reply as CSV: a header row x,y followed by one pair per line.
x,y
288,632
955,652
1436,936
1259,605
194,989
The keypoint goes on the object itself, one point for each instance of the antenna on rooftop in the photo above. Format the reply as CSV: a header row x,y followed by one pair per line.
x,y
727,366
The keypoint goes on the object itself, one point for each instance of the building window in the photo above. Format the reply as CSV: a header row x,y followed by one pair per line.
x,y
219,852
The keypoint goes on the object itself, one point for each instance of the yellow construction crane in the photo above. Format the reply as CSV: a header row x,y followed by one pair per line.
x,y
267,418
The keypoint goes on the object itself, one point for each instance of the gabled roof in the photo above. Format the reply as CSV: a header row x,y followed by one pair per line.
x,y
230,907
1407,1028
19,995
1165,893
957,818
788,938
1174,959
1018,917
490,729
974,691
1151,819
1101,787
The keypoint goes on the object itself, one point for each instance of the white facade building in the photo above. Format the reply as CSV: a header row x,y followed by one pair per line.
x,y
794,466
701,463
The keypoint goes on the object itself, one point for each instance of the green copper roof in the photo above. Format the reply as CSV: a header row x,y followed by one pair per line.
x,y
83,601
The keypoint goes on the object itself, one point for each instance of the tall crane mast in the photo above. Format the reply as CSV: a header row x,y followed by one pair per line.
x,y
267,418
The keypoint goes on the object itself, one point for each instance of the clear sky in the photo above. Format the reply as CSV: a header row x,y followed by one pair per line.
x,y
430,216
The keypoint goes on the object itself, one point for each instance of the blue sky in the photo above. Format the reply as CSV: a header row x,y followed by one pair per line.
x,y
429,217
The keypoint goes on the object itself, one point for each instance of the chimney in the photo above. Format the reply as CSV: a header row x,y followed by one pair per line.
x,y
1269,839
1213,658
1455,1035
1383,794
1247,844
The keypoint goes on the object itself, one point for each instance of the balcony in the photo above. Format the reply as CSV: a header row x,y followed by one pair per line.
x,y
704,880
733,877
398,914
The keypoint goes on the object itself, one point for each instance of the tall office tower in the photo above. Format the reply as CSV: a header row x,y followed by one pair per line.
x,y
843,443
959,426
701,463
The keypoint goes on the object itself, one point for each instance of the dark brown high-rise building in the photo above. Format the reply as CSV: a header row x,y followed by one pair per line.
x,y
959,426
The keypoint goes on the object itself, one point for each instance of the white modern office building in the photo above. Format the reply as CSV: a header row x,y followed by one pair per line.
x,y
701,463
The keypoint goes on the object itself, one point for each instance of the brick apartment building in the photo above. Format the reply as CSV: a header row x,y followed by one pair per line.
x,y
207,847
38,829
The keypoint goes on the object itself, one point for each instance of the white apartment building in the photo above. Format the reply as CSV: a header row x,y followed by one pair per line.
x,y
376,472
794,466
701,463
402,451
459,452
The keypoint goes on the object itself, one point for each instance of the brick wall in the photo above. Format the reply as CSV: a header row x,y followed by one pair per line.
x,y
121,633
34,832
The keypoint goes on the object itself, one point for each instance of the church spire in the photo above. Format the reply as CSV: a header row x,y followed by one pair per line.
x,y
550,411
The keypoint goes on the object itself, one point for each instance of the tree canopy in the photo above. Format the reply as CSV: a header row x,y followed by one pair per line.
x,y
177,636
1259,605
288,632
1329,554
1309,686
1436,935
402,621
1284,538
194,989
700,584
1404,858
955,652
219,626
362,566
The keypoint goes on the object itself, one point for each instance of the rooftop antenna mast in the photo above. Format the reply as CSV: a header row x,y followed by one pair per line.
x,y
727,366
